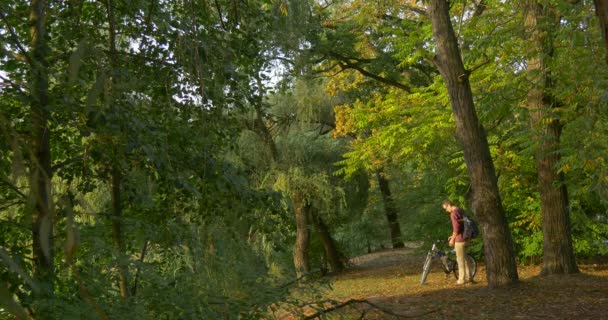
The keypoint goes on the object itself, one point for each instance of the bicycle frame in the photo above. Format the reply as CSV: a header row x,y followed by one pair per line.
x,y
449,265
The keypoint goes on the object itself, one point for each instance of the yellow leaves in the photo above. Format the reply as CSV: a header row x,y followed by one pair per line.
x,y
344,123
283,9
565,168
342,81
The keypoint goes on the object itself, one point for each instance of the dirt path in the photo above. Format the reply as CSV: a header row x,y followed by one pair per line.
x,y
386,285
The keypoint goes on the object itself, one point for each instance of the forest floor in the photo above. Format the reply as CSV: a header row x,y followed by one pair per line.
x,y
386,285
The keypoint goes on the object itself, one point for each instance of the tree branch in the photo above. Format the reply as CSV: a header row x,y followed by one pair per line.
x,y
219,13
13,187
138,270
8,205
65,163
11,83
344,63
485,61
324,312
16,38
480,8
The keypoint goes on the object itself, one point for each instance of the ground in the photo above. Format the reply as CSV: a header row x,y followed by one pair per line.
x,y
386,285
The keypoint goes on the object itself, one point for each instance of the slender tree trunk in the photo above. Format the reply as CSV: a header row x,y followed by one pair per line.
x,y
390,209
117,237
501,268
300,250
142,256
329,245
601,10
558,254
40,179
116,174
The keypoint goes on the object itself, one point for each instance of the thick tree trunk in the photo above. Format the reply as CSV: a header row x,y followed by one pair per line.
x,y
558,254
390,209
601,10
300,250
501,268
329,245
40,179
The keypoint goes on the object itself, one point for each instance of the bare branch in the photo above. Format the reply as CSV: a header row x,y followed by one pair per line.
x,y
358,301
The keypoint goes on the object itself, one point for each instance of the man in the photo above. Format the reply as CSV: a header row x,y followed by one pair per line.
x,y
457,241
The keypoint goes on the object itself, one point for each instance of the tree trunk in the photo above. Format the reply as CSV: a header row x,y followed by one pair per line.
x,y
390,209
329,245
262,131
40,179
601,10
501,268
558,255
117,237
116,174
300,250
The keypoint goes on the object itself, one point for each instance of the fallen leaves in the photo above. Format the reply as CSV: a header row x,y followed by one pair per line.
x,y
390,280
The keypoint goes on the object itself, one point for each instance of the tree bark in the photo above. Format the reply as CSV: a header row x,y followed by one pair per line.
x,y
601,10
501,268
558,254
390,210
300,250
329,245
40,172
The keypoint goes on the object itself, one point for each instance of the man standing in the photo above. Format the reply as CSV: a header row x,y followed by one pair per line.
x,y
457,241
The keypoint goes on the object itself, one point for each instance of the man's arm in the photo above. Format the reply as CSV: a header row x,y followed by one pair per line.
x,y
455,225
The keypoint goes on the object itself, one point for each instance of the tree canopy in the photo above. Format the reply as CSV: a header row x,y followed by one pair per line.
x,y
199,159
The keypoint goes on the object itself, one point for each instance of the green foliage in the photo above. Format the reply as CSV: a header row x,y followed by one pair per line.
x,y
157,104
171,104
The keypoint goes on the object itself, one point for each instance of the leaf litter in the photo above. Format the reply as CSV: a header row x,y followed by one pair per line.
x,y
386,285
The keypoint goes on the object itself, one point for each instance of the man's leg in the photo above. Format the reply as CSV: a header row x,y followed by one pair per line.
x,y
463,267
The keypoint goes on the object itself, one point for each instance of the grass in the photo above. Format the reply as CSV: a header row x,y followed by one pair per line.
x,y
386,285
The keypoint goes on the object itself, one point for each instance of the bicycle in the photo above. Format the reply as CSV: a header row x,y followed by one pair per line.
x,y
449,264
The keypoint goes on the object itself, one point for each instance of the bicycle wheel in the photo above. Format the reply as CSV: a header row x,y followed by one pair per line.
x,y
472,267
426,267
